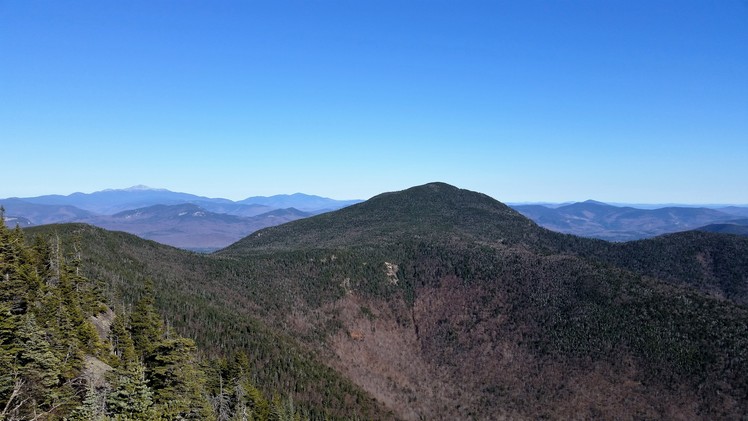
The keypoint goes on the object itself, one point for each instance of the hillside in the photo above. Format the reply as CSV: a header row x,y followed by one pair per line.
x,y
737,227
72,350
443,303
434,212
197,298
39,214
488,307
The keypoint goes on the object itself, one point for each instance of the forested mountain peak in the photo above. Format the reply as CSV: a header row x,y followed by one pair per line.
x,y
434,211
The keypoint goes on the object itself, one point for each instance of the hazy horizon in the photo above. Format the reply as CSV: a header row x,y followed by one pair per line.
x,y
242,197
536,101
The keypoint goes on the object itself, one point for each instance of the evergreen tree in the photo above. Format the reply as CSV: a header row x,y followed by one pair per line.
x,y
93,407
146,326
38,366
130,396
177,381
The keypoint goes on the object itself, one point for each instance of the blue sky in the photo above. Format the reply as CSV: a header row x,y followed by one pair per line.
x,y
622,101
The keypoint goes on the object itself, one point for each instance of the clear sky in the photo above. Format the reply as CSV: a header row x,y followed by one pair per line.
x,y
640,101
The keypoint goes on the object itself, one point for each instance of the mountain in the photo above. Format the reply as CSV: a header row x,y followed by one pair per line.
x,y
39,214
736,226
178,219
189,226
442,303
735,210
233,208
300,201
435,211
452,305
111,201
607,222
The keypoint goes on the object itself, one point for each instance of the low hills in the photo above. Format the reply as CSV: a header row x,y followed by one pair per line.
x,y
177,219
614,223
189,226
442,303
737,227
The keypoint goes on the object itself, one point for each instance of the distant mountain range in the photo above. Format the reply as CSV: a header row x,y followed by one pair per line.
x,y
201,223
178,219
613,223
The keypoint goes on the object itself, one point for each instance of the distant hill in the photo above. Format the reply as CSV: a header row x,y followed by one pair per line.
x,y
300,201
40,214
735,210
438,210
737,227
613,223
111,201
233,208
178,219
108,202
189,226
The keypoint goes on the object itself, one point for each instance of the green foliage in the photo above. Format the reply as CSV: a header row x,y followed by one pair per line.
x,y
48,348
130,397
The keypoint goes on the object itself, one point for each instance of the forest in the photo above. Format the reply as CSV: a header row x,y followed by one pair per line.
x,y
68,353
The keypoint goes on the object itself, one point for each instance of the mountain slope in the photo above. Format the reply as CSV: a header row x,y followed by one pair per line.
x,y
38,214
501,318
737,227
445,304
435,211
200,298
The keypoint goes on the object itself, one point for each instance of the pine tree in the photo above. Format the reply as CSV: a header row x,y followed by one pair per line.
x,y
10,381
93,407
177,381
130,395
146,326
123,346
37,365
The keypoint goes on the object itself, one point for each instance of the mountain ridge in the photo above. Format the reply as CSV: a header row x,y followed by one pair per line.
x,y
591,218
224,223
110,201
613,223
